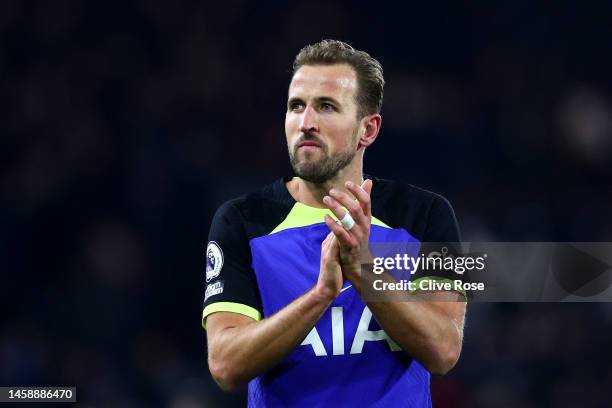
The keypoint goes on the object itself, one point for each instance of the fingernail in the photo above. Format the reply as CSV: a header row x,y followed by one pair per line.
x,y
349,184
325,199
332,191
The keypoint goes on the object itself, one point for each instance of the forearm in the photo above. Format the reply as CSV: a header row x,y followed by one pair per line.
x,y
428,326
423,329
430,331
239,354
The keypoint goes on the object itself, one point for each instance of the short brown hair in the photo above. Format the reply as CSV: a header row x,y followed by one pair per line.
x,y
370,80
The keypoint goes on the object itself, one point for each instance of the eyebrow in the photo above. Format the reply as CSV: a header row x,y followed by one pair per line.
x,y
317,99
293,100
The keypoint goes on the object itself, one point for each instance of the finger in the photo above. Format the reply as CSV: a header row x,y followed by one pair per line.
x,y
340,233
361,194
327,250
327,241
354,208
340,212
335,207
343,237
334,245
367,186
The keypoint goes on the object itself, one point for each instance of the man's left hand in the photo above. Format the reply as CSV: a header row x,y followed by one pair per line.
x,y
353,242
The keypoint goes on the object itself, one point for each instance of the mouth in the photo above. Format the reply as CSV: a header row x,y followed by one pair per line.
x,y
309,144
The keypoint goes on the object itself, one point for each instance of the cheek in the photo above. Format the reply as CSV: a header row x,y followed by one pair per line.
x,y
292,123
341,134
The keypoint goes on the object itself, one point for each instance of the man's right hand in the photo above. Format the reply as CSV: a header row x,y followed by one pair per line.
x,y
330,279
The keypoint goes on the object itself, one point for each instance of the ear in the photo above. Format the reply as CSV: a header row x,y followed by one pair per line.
x,y
371,126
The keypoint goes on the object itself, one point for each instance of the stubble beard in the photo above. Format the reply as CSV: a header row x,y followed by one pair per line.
x,y
325,168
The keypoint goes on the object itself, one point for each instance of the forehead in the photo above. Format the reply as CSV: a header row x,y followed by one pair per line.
x,y
338,81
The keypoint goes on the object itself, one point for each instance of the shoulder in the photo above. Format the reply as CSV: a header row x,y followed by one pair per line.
x,y
401,197
392,190
256,211
421,212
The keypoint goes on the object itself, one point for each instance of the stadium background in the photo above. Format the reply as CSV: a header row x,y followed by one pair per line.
x,y
125,124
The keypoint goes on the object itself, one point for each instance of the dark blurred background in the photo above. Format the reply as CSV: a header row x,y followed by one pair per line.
x,y
125,124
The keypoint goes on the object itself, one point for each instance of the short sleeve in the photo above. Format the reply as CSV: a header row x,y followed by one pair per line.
x,y
442,224
231,285
442,238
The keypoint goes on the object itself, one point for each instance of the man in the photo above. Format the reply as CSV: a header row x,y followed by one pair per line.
x,y
284,310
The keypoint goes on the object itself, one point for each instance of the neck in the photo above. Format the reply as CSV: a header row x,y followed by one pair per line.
x,y
312,194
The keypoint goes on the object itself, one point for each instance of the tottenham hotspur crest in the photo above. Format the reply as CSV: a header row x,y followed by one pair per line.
x,y
214,260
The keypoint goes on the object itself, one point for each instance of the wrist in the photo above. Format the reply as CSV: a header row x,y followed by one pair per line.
x,y
355,274
324,294
351,272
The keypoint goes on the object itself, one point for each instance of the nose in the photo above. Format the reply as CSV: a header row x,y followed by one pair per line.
x,y
309,123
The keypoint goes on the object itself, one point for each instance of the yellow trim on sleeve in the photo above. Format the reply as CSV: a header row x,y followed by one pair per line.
x,y
230,307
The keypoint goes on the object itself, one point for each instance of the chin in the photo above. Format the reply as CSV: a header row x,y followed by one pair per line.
x,y
307,171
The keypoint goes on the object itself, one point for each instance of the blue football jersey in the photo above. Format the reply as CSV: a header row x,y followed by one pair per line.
x,y
264,252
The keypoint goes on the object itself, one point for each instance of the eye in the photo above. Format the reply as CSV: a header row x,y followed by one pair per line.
x,y
296,106
327,107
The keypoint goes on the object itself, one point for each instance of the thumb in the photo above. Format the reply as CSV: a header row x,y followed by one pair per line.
x,y
334,247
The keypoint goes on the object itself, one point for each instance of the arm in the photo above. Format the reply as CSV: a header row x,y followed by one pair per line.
x,y
240,348
429,326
